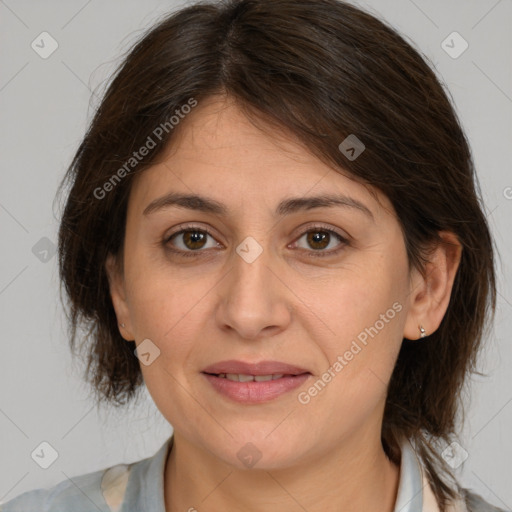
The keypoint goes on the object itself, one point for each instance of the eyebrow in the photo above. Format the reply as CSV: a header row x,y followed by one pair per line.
x,y
285,207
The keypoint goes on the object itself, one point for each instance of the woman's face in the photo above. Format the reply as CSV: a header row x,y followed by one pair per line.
x,y
323,288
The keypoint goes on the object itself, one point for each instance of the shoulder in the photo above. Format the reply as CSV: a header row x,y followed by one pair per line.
x,y
136,486
475,503
96,491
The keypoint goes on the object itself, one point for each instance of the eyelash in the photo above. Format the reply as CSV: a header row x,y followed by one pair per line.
x,y
314,254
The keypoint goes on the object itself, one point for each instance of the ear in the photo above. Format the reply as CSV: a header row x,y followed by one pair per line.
x,y
118,296
430,293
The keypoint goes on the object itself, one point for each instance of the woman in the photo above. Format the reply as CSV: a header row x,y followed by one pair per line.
x,y
273,224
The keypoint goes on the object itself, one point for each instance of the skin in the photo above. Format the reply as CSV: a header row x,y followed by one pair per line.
x,y
284,306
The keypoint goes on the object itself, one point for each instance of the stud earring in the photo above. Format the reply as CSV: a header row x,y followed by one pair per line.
x,y
122,325
423,333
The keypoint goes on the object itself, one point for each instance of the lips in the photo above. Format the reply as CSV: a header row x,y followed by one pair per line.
x,y
254,383
260,368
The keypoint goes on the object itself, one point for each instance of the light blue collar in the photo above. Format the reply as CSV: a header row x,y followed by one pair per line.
x,y
145,489
410,483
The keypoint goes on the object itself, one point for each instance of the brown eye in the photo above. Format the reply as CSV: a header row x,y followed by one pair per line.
x,y
194,239
319,239
190,240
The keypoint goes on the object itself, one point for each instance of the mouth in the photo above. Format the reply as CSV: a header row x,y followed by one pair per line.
x,y
253,383
240,377
261,368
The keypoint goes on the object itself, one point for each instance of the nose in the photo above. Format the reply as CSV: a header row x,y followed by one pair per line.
x,y
253,300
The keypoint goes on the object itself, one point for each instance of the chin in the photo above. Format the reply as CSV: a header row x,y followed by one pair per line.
x,y
261,452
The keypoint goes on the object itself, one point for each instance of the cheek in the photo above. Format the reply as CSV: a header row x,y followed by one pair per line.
x,y
168,307
162,312
366,317
364,310
156,296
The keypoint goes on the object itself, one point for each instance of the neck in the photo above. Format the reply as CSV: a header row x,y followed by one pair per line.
x,y
357,477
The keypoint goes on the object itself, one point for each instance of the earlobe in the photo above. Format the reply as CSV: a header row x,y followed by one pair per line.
x,y
118,296
430,292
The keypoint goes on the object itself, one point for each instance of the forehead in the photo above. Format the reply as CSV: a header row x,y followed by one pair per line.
x,y
218,151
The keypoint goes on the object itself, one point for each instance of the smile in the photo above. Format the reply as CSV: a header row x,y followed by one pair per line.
x,y
254,389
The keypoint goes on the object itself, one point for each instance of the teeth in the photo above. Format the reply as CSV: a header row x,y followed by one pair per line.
x,y
262,378
242,378
249,378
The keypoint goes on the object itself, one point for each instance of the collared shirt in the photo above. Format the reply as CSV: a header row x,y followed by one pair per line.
x,y
139,486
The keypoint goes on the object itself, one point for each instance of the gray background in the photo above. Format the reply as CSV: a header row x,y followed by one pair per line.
x,y
45,106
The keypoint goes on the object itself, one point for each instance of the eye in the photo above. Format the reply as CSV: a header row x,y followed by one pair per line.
x,y
189,240
320,238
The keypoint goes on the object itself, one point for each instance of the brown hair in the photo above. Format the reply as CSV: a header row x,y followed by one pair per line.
x,y
322,69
